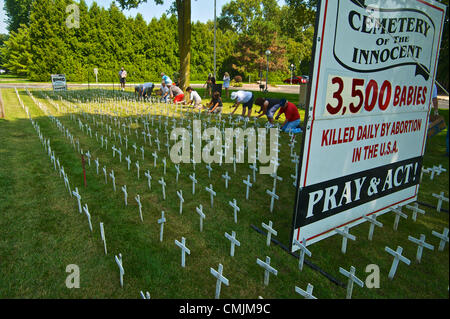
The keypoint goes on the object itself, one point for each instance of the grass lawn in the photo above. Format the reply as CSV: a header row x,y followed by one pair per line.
x,y
42,231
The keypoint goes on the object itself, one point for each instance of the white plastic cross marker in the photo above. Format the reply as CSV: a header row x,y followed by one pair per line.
x,y
267,269
235,208
128,160
254,168
163,185
397,257
146,296
373,222
209,168
249,184
212,193
345,235
113,178
135,148
155,156
202,216
184,250
88,155
351,279
308,293
180,196
194,181
97,164
275,179
138,168
106,175
161,221
149,179
86,211
421,244
443,237
233,240
124,190
440,198
114,150
220,279
102,233
142,151
121,270
177,168
415,208
398,213
78,197
138,200
303,251
273,197
270,232
226,178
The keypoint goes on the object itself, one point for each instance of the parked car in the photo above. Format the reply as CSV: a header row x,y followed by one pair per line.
x,y
297,80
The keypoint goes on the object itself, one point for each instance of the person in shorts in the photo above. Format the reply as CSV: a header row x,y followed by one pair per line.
x,y
269,107
123,78
245,98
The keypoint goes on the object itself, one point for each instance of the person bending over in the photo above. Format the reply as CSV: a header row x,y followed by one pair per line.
x,y
176,94
269,107
245,98
216,105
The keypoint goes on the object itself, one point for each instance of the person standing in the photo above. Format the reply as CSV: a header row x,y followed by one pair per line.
x,y
123,77
292,122
245,98
210,84
226,83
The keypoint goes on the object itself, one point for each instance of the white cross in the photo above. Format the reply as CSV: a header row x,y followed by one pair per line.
x,y
235,208
163,185
114,150
421,244
351,279
373,222
308,293
233,240
303,251
88,155
135,148
177,168
113,179
249,184
86,211
164,163
78,197
212,193
415,208
149,179
275,178
102,233
443,237
146,296
398,213
254,168
138,200
126,141
138,168
184,250
128,160
202,216
142,151
124,190
440,198
180,196
106,175
161,221
220,279
194,181
155,156
209,168
97,164
157,143
226,178
267,269
66,182
397,257
121,270
273,197
270,232
345,235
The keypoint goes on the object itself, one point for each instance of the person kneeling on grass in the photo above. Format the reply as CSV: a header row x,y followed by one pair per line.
x,y
216,105
176,94
244,97
195,100
269,107
292,123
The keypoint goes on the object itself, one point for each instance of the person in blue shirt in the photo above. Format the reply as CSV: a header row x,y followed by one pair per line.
x,y
166,80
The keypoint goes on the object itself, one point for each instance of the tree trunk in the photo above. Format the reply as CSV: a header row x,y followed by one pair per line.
x,y
184,43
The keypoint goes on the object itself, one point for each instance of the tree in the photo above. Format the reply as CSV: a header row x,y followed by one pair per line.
x,y
18,12
183,9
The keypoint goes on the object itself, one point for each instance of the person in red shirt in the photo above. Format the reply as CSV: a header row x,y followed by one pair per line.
x,y
292,123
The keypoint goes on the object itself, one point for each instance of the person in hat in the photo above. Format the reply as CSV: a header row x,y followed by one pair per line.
x,y
245,98
292,122
166,80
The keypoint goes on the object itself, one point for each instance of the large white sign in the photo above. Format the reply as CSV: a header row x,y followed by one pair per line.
x,y
59,82
374,66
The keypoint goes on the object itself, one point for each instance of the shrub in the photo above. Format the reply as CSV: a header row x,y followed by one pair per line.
x,y
238,78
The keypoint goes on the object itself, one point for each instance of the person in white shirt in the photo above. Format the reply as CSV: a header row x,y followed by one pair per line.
x,y
194,98
244,97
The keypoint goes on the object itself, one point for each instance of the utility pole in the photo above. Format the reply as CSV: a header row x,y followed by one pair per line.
x,y
215,29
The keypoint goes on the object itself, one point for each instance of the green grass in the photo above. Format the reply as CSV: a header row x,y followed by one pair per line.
x,y
42,231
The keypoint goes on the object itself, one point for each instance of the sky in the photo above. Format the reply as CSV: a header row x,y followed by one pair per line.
x,y
202,10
